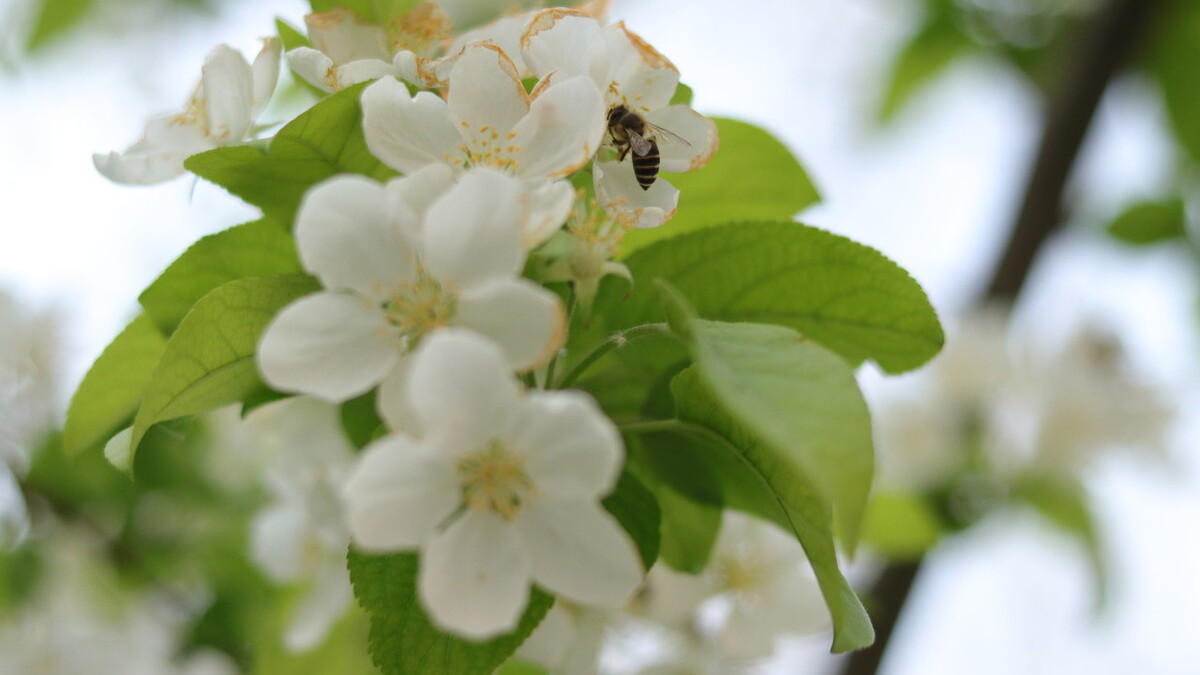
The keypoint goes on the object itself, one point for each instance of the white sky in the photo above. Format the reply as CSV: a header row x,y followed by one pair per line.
x,y
933,192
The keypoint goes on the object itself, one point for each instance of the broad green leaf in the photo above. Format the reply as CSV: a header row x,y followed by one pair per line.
x,y
636,510
842,294
404,642
753,176
901,526
1174,53
689,527
758,477
1063,501
290,36
799,398
682,95
1150,222
360,420
374,11
55,17
209,360
111,391
927,55
324,141
260,248
519,667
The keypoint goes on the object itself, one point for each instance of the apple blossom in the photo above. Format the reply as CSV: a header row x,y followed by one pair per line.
x,y
399,262
221,111
633,74
488,119
501,489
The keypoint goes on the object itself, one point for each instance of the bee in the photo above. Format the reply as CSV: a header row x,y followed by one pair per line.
x,y
631,132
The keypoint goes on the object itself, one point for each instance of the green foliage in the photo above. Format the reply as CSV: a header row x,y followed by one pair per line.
x,y
753,176
636,510
111,391
54,18
373,11
846,296
402,639
290,36
260,248
1150,223
689,527
1063,501
926,56
324,141
1173,59
360,420
682,95
901,526
209,360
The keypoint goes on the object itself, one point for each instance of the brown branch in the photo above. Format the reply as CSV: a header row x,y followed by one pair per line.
x,y
1108,41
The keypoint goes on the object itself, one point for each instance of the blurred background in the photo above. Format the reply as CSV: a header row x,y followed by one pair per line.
x,y
1046,461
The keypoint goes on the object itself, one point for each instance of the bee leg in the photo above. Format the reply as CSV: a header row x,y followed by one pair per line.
x,y
623,153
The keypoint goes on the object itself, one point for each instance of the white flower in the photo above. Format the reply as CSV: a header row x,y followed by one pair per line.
x,y
502,489
632,74
569,639
346,50
221,111
14,515
399,262
489,120
302,536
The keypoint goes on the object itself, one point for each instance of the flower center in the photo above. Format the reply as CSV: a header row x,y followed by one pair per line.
x,y
494,479
743,575
418,307
486,146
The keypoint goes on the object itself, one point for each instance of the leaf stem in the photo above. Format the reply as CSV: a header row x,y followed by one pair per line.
x,y
614,341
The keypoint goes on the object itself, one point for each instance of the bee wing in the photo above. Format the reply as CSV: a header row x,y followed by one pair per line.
x,y
666,135
640,144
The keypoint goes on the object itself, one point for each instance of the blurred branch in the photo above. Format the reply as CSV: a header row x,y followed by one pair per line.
x,y
1107,43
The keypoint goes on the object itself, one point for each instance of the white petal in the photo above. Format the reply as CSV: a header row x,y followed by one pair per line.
x,y
392,402
350,74
699,132
158,156
416,191
461,387
571,448
14,516
579,551
568,42
228,95
407,132
565,125
407,66
474,577
277,536
329,345
505,33
618,191
398,493
345,37
645,78
486,97
745,635
550,202
548,643
525,320
314,67
350,238
325,603
473,232
265,74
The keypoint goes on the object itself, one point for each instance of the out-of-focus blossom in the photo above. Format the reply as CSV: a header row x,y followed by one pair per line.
x,y
347,50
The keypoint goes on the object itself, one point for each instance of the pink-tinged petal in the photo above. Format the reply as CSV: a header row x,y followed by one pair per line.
x,y
571,448
698,134
228,86
566,41
550,202
618,191
415,192
350,74
474,576
645,78
565,125
485,98
407,132
505,33
472,232
399,493
158,156
330,345
314,67
350,238
392,402
579,551
461,388
321,608
524,319
265,74
345,37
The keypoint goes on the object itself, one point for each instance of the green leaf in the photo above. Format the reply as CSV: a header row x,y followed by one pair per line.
x,y
938,44
682,95
759,478
519,667
324,141
260,248
636,510
901,526
1174,53
111,391
753,176
404,642
1063,501
374,11
209,360
290,36
1150,222
360,420
846,296
689,527
55,17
